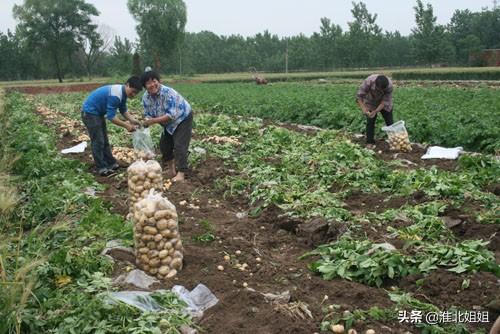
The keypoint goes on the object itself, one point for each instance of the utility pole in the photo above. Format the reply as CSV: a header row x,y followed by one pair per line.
x,y
180,61
286,57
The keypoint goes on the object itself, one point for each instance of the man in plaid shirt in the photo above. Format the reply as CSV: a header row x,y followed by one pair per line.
x,y
375,96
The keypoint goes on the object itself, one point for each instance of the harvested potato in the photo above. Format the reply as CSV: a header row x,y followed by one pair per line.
x,y
158,244
399,141
142,177
337,328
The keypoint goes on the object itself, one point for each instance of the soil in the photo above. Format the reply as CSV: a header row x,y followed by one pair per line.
x,y
412,159
445,289
55,89
278,241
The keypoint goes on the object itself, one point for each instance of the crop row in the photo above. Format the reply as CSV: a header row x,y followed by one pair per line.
x,y
446,116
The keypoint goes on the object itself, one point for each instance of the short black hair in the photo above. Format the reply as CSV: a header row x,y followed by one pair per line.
x,y
149,75
382,82
134,82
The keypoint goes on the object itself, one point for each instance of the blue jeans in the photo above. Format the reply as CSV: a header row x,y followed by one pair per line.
x,y
101,150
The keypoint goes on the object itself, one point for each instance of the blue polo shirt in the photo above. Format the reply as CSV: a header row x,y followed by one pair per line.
x,y
105,100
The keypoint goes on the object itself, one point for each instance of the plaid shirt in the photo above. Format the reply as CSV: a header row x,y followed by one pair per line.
x,y
166,102
372,97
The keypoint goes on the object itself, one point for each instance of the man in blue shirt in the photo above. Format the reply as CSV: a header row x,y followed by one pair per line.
x,y
102,103
164,106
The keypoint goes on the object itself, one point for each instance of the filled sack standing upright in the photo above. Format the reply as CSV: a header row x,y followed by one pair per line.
x,y
158,244
397,136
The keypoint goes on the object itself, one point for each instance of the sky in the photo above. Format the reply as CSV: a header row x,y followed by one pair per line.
x,y
281,17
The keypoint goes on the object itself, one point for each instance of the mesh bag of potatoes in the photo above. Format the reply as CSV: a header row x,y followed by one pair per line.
x,y
143,144
143,176
398,137
158,245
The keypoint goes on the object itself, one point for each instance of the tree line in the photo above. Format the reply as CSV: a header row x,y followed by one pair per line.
x,y
58,39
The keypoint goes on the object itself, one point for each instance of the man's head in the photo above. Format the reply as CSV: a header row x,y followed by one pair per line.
x,y
381,82
133,86
151,81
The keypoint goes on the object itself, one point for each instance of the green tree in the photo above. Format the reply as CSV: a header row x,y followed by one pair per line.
x,y
160,25
55,27
136,64
363,36
431,44
330,39
120,56
15,62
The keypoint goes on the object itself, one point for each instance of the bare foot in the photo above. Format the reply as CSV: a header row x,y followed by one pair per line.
x,y
170,173
179,177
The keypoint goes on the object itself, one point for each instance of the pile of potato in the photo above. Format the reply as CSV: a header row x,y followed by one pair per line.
x,y
144,155
233,140
124,154
399,141
158,244
143,176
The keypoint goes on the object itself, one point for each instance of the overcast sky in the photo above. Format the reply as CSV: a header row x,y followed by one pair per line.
x,y
281,17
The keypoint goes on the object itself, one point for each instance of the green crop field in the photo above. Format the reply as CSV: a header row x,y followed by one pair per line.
x,y
388,234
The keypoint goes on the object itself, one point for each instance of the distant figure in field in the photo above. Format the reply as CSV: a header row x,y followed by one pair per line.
x,y
258,79
375,96
102,103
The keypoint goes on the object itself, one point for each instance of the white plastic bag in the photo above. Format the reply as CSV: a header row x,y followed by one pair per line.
x,y
143,144
398,137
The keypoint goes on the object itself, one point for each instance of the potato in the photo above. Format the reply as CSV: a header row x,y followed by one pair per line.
x,y
166,233
161,214
172,224
163,270
337,328
163,254
153,253
160,245
167,260
150,230
162,224
154,262
172,273
176,264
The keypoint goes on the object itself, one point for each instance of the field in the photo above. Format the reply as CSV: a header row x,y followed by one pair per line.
x,y
353,236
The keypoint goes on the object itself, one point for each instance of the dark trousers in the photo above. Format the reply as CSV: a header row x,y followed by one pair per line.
x,y
99,142
370,125
176,146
